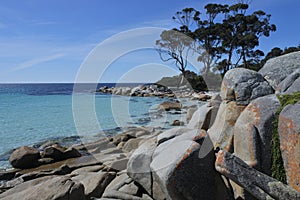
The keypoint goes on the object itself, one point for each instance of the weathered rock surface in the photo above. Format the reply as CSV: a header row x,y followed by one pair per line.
x,y
291,83
279,68
53,187
243,86
132,144
253,133
221,132
289,133
215,100
94,182
82,170
169,105
138,166
203,118
178,166
258,184
24,157
171,133
124,137
71,153
98,146
58,153
119,189
190,113
201,97
119,164
295,87
54,151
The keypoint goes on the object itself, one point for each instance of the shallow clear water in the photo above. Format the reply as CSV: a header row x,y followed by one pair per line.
x,y
33,113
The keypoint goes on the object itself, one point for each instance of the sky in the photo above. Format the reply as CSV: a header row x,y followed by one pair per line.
x,y
56,40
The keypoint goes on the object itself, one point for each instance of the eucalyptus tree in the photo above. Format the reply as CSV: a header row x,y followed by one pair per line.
x,y
224,35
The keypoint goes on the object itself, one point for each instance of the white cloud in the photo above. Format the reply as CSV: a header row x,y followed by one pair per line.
x,y
36,61
42,23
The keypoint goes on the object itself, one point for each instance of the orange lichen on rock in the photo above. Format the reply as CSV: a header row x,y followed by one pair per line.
x,y
289,134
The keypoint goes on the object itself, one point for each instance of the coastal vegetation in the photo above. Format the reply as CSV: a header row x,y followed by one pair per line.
x,y
278,171
225,37
222,37
195,81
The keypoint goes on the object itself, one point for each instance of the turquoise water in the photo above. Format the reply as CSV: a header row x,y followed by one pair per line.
x,y
30,114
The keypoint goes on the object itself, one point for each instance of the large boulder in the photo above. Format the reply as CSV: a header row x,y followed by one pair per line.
x,y
243,86
289,132
53,187
203,118
54,151
132,144
171,133
221,132
279,68
24,157
58,153
183,167
253,133
138,166
71,153
190,112
256,183
291,83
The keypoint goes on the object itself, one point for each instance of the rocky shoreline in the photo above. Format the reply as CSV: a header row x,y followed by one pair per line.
x,y
153,90
226,151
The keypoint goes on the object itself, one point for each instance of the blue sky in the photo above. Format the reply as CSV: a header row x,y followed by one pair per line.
x,y
48,41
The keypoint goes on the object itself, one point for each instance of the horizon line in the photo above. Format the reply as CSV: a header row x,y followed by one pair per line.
x,y
70,82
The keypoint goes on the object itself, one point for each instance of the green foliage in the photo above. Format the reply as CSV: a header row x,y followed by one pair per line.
x,y
174,46
221,32
288,99
278,171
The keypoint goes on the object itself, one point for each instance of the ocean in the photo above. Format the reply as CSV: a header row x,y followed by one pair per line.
x,y
31,114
